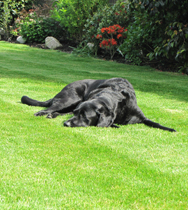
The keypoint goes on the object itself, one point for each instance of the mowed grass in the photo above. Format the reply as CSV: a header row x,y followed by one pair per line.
x,y
44,165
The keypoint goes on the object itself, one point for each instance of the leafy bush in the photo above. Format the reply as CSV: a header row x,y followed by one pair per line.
x,y
36,30
104,17
142,34
73,14
111,37
159,32
9,11
36,24
5,19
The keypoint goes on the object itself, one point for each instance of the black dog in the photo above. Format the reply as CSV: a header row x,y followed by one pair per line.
x,y
101,103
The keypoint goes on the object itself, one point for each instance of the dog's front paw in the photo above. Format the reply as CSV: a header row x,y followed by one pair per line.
x,y
53,115
40,113
49,116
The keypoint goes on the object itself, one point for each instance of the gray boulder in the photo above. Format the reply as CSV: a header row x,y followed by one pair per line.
x,y
52,43
2,31
90,45
20,40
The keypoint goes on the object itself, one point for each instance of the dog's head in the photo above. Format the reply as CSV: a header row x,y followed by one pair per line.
x,y
91,113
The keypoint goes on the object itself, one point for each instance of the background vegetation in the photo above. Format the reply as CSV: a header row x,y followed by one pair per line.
x,y
73,14
44,165
157,30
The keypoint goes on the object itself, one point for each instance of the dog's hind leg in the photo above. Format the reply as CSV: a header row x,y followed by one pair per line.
x,y
66,103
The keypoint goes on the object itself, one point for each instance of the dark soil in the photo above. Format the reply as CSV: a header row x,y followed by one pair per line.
x,y
66,47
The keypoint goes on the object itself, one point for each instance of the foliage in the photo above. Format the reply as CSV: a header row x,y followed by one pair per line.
x,y
159,32
5,19
111,38
15,6
104,17
43,8
141,34
36,30
34,25
73,14
9,10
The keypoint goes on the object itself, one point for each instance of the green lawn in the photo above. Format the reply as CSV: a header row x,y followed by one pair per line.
x,y
44,165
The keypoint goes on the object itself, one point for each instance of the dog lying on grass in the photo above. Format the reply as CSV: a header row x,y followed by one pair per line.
x,y
102,103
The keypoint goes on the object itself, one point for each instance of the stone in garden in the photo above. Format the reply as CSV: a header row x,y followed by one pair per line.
x,y
2,31
90,45
21,40
52,43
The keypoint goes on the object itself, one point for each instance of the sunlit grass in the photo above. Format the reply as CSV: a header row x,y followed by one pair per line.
x,y
44,165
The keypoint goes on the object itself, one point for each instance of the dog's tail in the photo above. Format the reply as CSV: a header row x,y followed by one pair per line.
x,y
157,125
32,102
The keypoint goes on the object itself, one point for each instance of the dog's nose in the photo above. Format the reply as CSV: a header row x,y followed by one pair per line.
x,y
67,124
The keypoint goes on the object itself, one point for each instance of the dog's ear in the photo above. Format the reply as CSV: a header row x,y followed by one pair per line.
x,y
125,93
76,111
106,118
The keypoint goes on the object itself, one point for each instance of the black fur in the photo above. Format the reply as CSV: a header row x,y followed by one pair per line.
x,y
101,103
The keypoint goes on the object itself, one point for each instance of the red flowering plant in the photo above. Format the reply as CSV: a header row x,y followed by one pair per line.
x,y
104,17
111,38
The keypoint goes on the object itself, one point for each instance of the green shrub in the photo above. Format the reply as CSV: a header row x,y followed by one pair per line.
x,y
73,14
111,38
5,18
105,16
36,30
9,11
159,33
141,37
